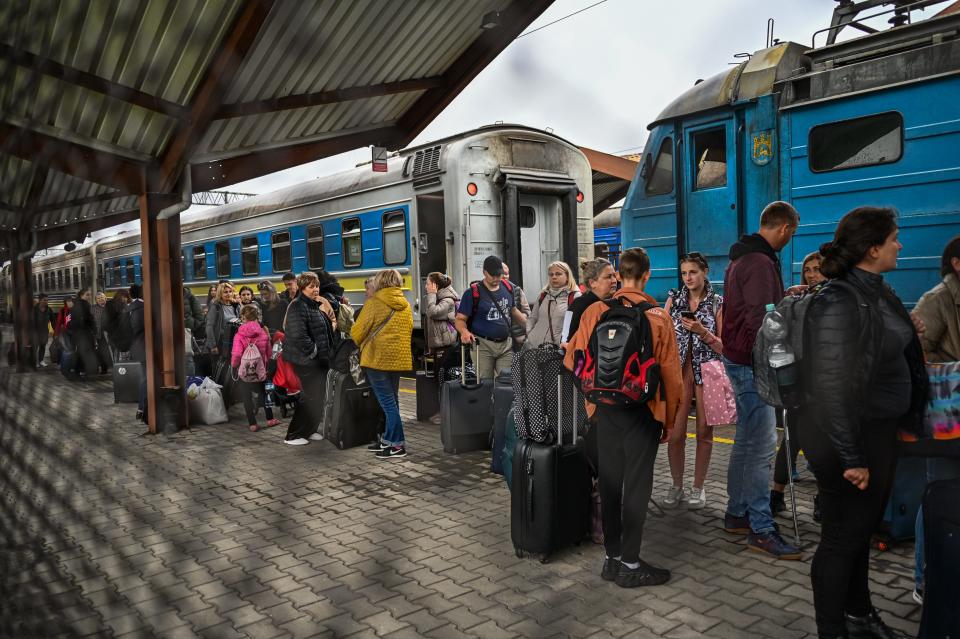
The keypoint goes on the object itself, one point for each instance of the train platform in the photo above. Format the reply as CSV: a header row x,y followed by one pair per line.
x,y
220,532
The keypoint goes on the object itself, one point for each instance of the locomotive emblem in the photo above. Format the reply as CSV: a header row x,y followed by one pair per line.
x,y
761,151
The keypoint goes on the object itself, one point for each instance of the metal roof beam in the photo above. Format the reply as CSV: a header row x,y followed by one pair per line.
x,y
513,20
220,173
208,97
62,234
329,97
72,158
92,82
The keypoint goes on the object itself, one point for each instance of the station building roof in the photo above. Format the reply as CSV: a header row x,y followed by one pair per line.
x,y
102,101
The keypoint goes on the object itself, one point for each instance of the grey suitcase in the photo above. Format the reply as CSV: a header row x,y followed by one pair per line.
x,y
126,382
465,415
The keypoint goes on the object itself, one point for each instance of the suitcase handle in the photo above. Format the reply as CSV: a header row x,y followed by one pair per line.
x,y
560,409
476,364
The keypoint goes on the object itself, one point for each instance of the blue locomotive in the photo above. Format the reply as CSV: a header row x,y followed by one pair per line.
x,y
868,121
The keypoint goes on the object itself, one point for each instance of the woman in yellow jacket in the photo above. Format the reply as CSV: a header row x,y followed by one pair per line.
x,y
383,331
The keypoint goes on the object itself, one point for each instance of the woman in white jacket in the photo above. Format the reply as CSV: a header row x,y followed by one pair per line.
x,y
545,324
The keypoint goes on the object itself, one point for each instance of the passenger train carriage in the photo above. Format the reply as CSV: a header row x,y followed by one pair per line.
x,y
869,121
508,190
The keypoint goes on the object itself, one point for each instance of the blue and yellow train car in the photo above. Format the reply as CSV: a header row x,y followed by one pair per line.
x,y
868,121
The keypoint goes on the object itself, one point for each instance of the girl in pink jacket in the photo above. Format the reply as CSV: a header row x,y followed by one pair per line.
x,y
251,332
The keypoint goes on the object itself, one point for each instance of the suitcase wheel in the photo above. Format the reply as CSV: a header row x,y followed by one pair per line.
x,y
518,552
544,559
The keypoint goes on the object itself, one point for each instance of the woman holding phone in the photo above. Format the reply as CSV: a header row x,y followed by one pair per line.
x,y
695,310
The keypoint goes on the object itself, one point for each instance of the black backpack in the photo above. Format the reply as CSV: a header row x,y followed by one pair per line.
x,y
122,333
618,367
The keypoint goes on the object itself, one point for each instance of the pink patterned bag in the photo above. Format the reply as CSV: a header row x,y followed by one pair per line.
x,y
719,402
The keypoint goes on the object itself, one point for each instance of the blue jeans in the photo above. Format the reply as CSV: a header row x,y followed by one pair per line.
x,y
386,386
748,475
937,468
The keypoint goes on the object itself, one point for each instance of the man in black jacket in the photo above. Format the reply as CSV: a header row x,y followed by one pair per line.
x,y
82,331
193,317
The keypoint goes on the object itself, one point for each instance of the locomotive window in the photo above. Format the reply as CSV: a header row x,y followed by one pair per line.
x,y
528,217
281,252
315,247
222,251
875,139
131,273
710,154
199,263
352,243
660,175
250,255
394,238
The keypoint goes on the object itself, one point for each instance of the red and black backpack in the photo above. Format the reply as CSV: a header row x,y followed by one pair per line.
x,y
618,367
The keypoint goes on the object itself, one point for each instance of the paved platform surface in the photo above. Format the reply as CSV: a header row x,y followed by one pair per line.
x,y
220,532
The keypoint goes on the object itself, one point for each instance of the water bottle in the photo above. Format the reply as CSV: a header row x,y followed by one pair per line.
x,y
268,393
780,356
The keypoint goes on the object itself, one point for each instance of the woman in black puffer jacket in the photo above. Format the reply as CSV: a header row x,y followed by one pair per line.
x,y
308,337
866,381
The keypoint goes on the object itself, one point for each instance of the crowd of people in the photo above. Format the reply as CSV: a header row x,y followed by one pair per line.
x,y
864,364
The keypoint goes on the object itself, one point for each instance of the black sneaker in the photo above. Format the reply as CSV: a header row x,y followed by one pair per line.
x,y
642,575
774,545
736,525
777,502
392,451
870,627
611,567
376,447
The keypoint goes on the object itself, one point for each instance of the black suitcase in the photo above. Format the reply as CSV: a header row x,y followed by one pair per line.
x,y
465,417
351,413
900,515
550,497
941,534
502,401
126,382
428,395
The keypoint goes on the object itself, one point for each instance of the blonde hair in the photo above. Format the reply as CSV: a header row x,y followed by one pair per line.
x,y
387,278
249,312
307,278
220,290
591,269
571,284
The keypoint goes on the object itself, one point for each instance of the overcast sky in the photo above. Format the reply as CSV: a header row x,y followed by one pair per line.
x,y
598,77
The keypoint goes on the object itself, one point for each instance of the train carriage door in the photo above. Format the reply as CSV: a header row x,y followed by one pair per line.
x,y
711,210
539,217
430,240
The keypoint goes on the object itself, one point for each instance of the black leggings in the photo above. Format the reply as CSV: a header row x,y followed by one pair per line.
x,y
246,391
309,411
840,566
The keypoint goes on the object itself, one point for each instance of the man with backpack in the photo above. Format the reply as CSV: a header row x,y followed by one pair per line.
x,y
625,358
485,314
752,281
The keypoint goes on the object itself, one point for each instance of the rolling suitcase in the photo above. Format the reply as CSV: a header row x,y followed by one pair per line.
x,y
428,395
941,532
550,498
900,516
502,401
351,413
509,444
465,418
126,382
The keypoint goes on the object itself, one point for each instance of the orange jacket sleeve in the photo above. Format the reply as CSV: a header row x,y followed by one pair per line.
x,y
668,356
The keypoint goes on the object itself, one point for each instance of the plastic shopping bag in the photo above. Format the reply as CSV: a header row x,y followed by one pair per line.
x,y
205,402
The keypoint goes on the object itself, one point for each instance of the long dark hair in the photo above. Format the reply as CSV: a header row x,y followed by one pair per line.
x,y
858,231
952,250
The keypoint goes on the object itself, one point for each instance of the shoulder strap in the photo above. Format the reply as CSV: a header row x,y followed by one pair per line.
x,y
570,298
475,295
543,295
508,285
369,337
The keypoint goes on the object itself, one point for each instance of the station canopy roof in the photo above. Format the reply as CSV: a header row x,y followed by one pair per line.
x,y
102,101
612,175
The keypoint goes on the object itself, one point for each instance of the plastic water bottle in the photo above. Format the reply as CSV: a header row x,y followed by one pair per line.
x,y
780,355
268,393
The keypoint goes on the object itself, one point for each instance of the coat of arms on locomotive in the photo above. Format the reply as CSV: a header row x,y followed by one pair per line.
x,y
761,151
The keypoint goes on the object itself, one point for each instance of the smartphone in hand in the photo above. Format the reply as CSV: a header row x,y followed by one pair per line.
x,y
688,315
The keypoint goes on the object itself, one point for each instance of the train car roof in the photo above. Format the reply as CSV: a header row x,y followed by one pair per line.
x,y
324,188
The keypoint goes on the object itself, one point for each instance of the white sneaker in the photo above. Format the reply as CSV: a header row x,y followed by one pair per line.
x,y
697,498
675,497
316,437
300,441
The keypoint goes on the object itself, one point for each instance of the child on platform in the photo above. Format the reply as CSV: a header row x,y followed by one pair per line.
x,y
251,332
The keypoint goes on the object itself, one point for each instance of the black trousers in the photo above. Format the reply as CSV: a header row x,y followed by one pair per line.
x,y
246,391
309,411
780,465
40,347
627,442
84,358
850,516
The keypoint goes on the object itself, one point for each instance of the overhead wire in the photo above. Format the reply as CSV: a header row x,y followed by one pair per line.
x,y
560,19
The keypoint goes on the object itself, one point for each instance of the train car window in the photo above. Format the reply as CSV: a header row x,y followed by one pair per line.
x,y
46,282
222,251
83,276
710,154
315,256
116,274
660,174
183,264
199,263
250,255
282,258
875,139
528,217
394,238
352,242
131,273
100,282
60,280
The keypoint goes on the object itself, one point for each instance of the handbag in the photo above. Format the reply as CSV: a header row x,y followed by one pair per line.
x,y
719,401
942,417
355,371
